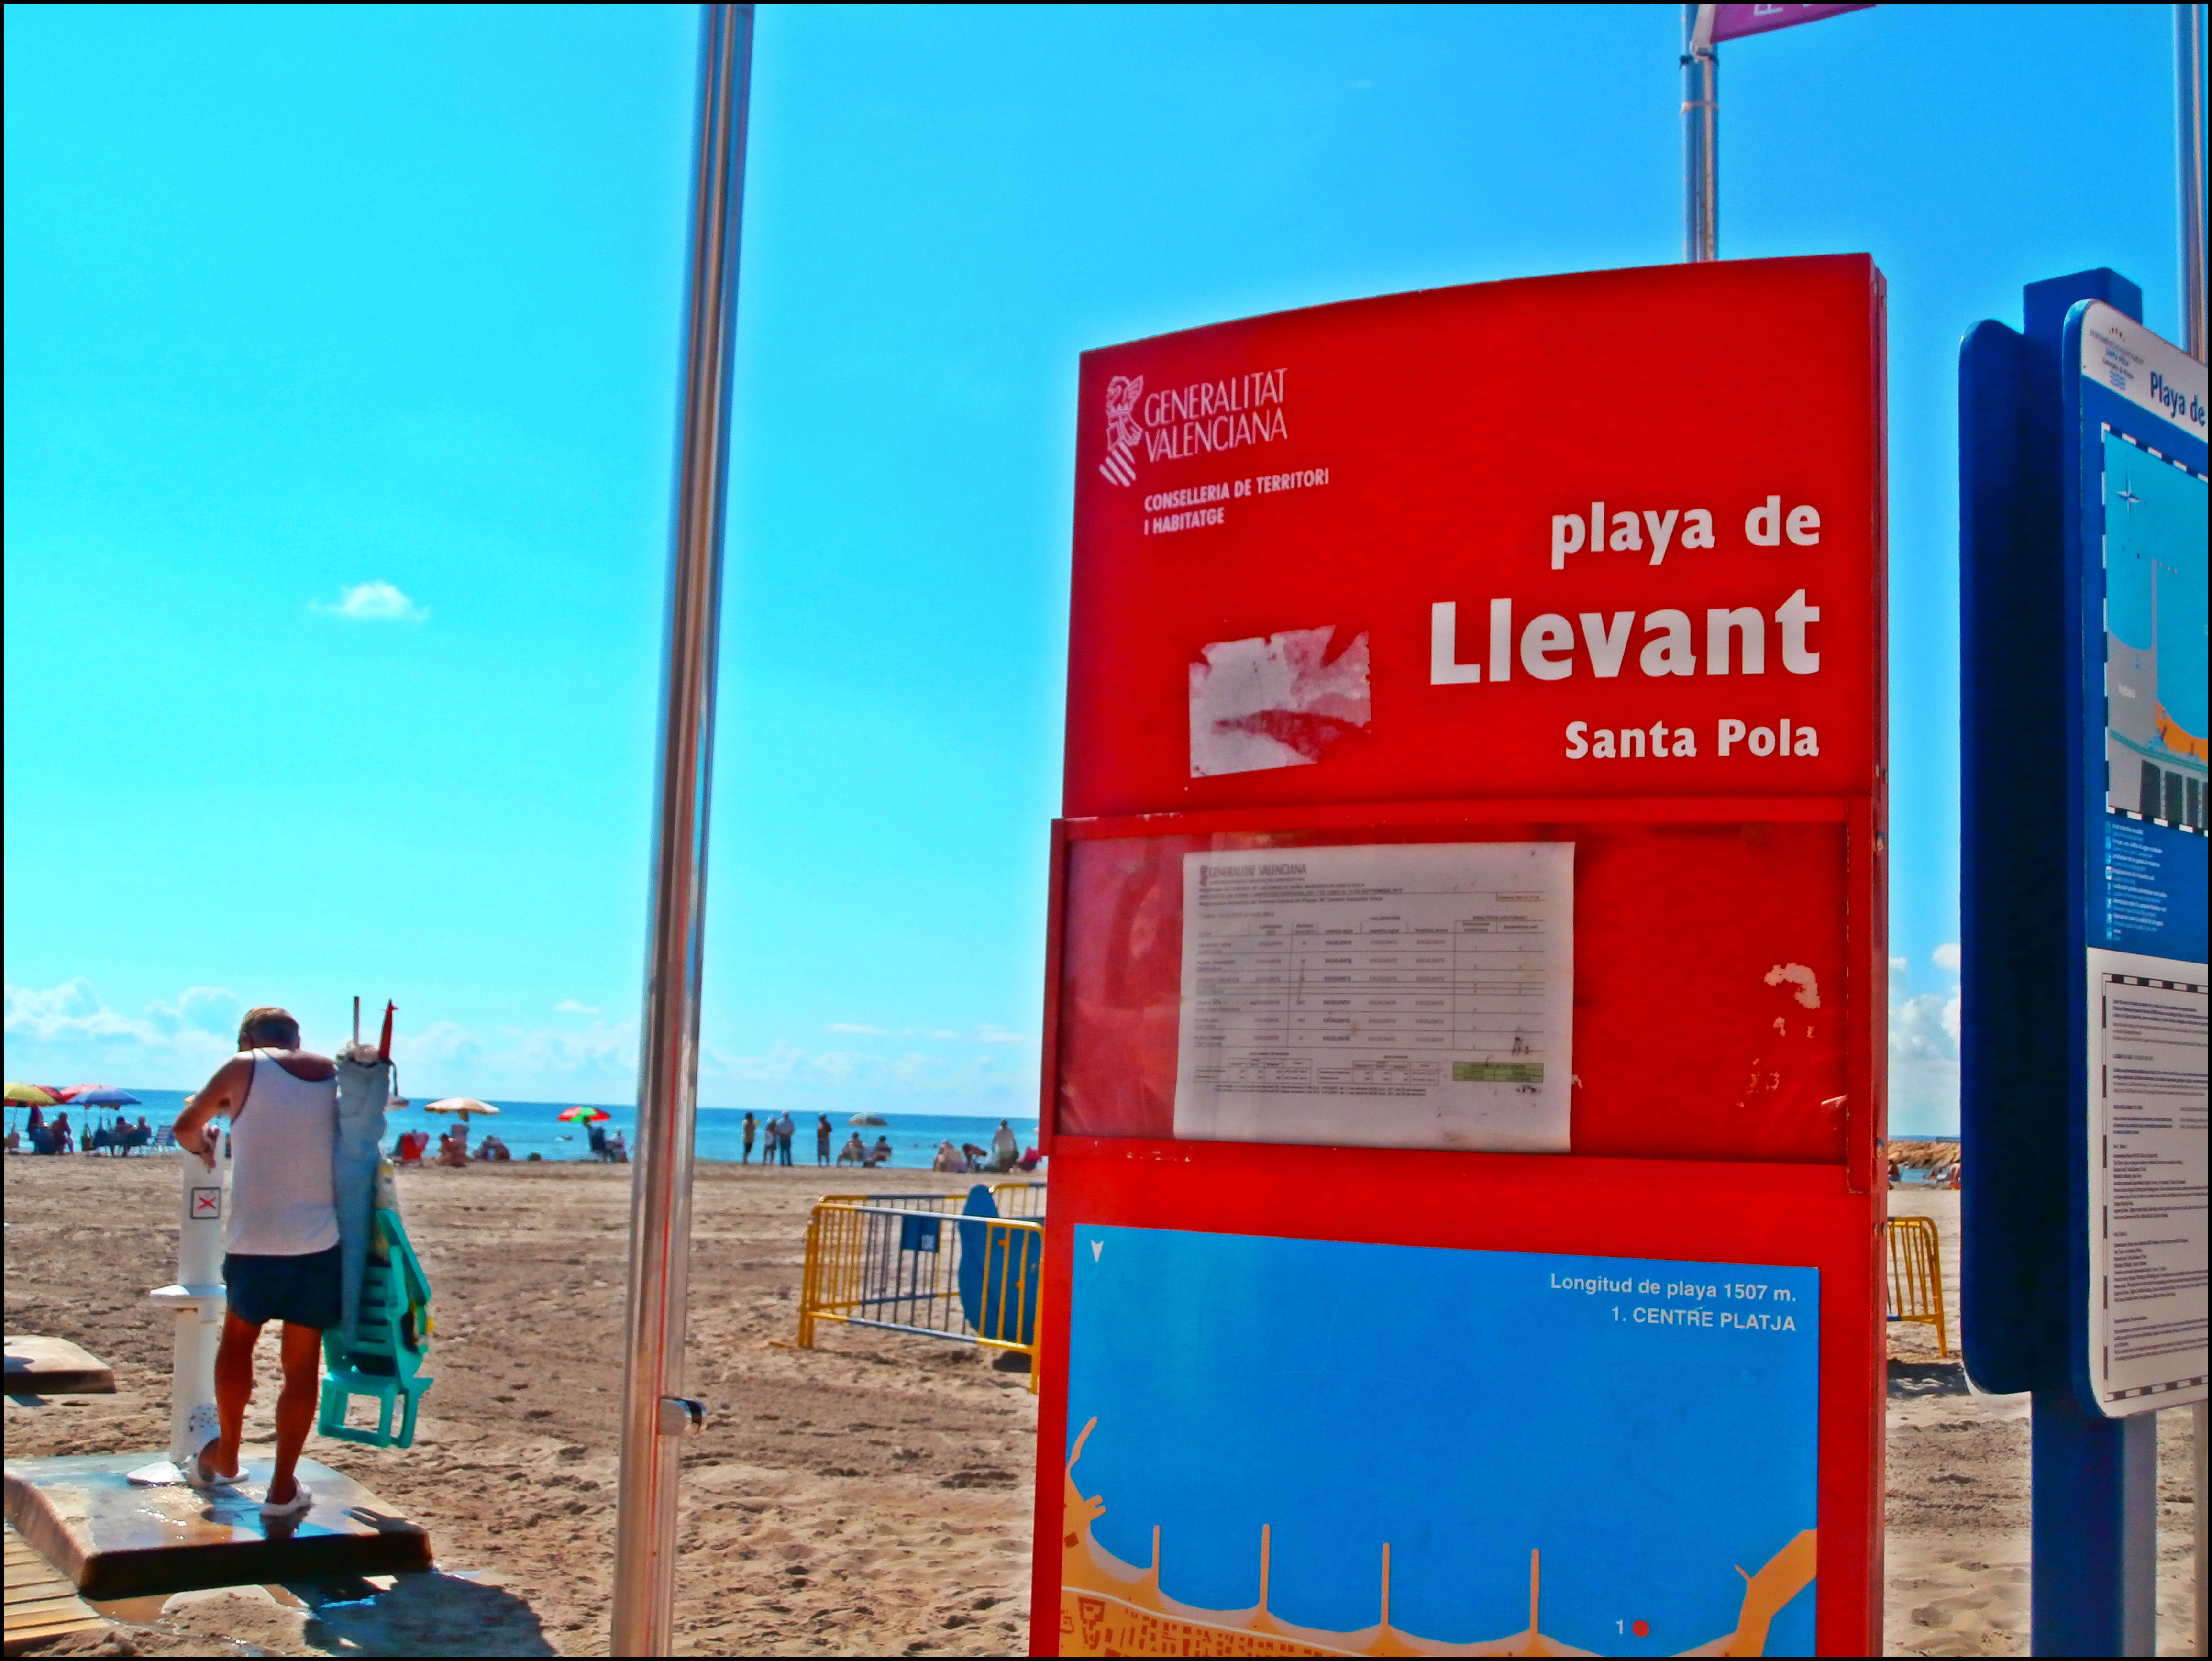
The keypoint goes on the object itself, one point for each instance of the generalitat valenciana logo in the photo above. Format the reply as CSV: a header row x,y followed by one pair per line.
x,y
1203,418
1123,435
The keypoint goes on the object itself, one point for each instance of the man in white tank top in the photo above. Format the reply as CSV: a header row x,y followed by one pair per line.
x,y
281,1239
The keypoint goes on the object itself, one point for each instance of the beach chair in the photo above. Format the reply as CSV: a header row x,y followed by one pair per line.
x,y
390,1342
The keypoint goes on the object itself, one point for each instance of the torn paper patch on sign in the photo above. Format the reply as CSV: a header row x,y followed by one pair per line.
x,y
1278,700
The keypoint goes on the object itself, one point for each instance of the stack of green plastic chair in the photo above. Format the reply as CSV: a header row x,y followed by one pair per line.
x,y
382,1356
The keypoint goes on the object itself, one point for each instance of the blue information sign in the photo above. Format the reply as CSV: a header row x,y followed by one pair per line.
x,y
2134,420
2081,545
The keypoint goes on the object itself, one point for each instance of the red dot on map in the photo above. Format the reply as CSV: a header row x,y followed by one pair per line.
x,y
1641,1628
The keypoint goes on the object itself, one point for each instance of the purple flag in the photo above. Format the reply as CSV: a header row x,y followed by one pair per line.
x,y
1734,22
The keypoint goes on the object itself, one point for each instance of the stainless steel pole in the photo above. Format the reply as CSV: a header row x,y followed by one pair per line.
x,y
2188,171
655,1411
2189,178
1701,136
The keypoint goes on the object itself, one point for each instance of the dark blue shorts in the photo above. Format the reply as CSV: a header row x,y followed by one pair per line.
x,y
302,1292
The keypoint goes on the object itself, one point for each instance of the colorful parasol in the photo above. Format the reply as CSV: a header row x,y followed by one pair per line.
x,y
31,1095
102,1095
584,1115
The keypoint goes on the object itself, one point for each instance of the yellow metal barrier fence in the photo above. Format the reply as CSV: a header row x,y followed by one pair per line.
x,y
1018,1199
1916,1276
900,1263
1023,1199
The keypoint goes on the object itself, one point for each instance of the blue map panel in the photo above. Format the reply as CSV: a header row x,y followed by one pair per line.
x,y
1609,1452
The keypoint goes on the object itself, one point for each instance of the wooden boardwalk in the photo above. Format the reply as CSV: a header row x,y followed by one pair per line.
x,y
41,1603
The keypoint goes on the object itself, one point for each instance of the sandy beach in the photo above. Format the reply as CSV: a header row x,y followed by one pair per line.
x,y
1958,1542
867,1498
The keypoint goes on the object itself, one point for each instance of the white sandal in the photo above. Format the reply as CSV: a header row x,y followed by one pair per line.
x,y
202,1432
302,1498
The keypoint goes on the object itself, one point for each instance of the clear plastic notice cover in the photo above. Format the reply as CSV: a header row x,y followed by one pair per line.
x,y
1394,996
1629,1045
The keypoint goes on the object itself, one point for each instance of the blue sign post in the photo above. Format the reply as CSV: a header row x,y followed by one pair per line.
x,y
2082,465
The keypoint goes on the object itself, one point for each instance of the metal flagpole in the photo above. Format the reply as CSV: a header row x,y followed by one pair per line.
x,y
655,1411
1701,136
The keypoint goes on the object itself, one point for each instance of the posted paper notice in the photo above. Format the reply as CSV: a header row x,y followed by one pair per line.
x,y
2146,1182
1398,995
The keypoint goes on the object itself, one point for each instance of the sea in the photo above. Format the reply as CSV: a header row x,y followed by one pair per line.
x,y
529,1128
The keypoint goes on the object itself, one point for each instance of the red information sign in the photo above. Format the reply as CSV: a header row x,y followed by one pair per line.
x,y
1464,1034
1735,22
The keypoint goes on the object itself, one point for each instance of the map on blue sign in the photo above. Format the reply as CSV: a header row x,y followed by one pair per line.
x,y
2155,648
1314,1447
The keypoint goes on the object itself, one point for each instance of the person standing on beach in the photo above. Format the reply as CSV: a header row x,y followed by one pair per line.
x,y
280,1238
821,1134
785,1130
749,1127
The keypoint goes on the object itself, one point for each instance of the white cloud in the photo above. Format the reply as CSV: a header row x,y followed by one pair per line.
x,y
1924,1028
984,1033
1923,1098
1923,1052
859,1076
445,1045
69,1031
69,1010
781,1062
374,602
570,1006
838,1066
587,1060
211,1008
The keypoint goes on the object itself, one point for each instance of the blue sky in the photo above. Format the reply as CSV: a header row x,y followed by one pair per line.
x,y
339,425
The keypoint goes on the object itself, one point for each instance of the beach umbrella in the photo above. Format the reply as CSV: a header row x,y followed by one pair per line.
x,y
102,1095
31,1095
868,1119
584,1115
463,1105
